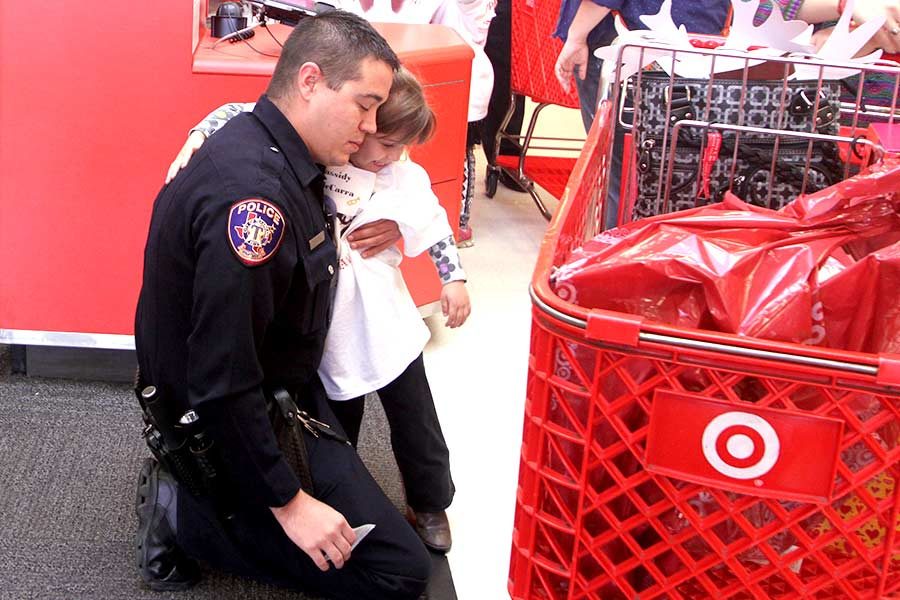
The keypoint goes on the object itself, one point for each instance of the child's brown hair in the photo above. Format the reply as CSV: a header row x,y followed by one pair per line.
x,y
405,116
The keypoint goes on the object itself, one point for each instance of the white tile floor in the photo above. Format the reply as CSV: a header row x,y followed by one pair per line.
x,y
478,374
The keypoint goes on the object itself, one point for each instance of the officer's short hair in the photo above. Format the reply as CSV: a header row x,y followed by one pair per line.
x,y
338,42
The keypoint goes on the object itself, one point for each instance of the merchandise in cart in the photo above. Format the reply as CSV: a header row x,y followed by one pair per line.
x,y
663,461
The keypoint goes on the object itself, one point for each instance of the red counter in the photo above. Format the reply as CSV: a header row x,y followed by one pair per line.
x,y
91,116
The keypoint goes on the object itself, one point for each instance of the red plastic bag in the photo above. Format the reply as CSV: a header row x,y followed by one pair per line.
x,y
867,204
860,304
736,268
723,267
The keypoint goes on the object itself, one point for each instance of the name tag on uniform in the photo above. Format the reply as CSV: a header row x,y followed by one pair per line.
x,y
316,240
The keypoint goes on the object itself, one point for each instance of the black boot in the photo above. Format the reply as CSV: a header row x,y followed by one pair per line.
x,y
162,565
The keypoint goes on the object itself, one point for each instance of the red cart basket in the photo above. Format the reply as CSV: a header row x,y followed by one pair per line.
x,y
533,53
666,462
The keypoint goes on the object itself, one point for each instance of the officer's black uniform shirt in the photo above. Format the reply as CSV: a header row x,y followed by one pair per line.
x,y
210,330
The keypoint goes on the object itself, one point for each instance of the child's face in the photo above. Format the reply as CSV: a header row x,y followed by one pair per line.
x,y
376,152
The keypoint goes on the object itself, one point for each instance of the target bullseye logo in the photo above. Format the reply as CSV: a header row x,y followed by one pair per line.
x,y
741,445
744,448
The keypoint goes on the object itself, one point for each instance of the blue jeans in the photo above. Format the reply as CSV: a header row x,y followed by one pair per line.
x,y
587,95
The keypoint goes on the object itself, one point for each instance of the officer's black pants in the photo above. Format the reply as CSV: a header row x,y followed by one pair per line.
x,y
416,437
390,563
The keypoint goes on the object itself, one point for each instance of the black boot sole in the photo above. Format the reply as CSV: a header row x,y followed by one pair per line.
x,y
148,488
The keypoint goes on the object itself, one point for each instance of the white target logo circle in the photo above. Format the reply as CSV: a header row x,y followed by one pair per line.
x,y
741,445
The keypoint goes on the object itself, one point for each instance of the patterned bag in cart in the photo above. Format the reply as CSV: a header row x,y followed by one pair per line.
x,y
705,163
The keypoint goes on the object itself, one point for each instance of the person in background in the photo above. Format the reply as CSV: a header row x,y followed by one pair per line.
x,y
593,28
878,87
586,25
498,50
377,337
479,15
234,305
825,11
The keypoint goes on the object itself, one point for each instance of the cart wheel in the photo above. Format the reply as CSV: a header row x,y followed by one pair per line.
x,y
490,182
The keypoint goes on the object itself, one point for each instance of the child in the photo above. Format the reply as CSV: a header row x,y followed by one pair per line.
x,y
376,336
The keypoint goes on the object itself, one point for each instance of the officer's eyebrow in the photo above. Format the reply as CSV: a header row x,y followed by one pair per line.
x,y
372,95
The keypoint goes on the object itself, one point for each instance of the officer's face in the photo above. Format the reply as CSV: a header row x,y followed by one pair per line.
x,y
376,152
346,115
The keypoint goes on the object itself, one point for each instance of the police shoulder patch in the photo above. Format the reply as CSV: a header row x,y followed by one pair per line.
x,y
255,230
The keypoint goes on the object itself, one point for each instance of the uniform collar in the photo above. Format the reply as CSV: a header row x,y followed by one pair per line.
x,y
288,140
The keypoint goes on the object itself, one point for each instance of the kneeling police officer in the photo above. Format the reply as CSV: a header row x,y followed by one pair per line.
x,y
234,305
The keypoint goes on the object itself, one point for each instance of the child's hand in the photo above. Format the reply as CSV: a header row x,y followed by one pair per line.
x,y
193,143
455,303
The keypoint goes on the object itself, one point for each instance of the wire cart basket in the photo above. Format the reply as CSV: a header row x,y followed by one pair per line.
x,y
613,398
533,56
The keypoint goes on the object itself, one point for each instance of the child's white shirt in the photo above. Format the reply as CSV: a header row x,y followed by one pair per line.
x,y
376,330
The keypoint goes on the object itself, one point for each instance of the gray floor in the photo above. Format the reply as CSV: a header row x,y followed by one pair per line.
x,y
70,454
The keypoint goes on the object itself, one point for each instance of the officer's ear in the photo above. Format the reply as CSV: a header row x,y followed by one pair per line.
x,y
309,79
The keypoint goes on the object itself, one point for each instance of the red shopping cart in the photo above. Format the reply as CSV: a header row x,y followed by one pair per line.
x,y
533,56
613,400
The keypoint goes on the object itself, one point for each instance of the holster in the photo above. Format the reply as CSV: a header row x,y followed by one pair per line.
x,y
183,449
283,413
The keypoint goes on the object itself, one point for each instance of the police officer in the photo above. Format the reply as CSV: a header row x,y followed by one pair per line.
x,y
235,300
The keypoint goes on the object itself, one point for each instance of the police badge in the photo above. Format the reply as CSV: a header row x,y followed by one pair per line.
x,y
255,230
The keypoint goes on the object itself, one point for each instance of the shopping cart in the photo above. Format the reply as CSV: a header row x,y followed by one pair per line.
x,y
596,515
533,57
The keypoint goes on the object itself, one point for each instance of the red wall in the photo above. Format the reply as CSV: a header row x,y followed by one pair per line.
x,y
95,100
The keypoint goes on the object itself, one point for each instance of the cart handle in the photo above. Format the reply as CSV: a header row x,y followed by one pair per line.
x,y
806,135
887,372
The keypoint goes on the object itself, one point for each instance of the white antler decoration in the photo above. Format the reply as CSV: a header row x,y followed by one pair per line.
x,y
774,37
661,23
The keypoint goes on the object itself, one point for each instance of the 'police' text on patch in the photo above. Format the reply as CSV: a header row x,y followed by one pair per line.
x,y
255,230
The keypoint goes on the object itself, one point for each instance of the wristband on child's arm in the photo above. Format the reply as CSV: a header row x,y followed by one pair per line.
x,y
217,118
445,257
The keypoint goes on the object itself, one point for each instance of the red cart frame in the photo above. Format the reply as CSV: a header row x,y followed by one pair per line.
x,y
596,516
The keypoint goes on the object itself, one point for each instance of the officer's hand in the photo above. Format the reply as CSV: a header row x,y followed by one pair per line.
x,y
317,529
455,303
374,237
193,143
